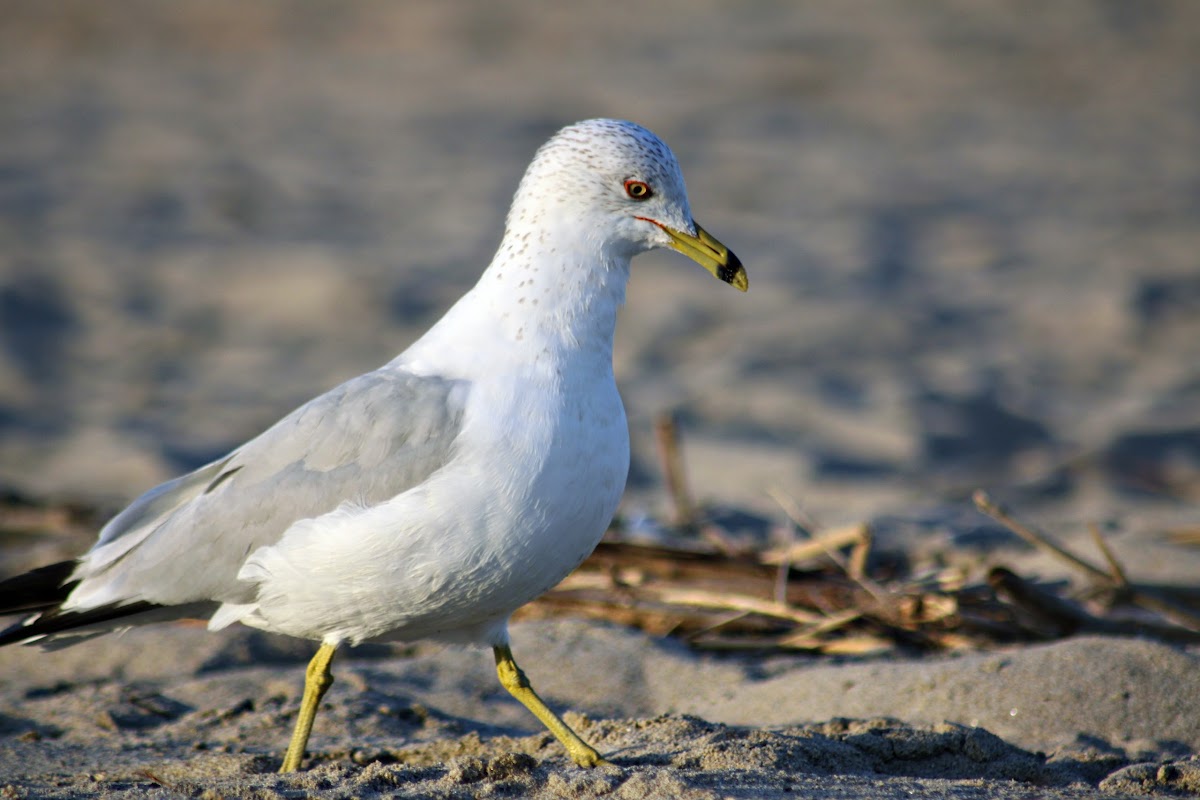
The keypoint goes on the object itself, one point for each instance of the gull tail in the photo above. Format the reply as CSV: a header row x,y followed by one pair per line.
x,y
41,594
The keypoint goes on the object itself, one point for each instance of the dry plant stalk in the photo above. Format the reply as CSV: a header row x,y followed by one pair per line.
x,y
666,435
816,595
1186,537
1179,605
722,602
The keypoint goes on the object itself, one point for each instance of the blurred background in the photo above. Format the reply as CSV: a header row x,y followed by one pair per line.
x,y
972,232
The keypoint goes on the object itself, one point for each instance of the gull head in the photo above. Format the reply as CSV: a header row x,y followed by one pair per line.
x,y
617,186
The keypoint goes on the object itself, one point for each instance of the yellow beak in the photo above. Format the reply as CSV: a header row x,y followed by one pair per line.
x,y
709,253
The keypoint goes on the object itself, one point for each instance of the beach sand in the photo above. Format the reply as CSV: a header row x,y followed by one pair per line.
x,y
183,711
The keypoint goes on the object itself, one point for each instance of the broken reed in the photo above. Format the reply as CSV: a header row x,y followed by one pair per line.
x,y
817,595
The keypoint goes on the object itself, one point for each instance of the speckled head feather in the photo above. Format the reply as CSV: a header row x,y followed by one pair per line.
x,y
579,177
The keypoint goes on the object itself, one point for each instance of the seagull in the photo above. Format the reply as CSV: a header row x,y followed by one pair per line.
x,y
432,497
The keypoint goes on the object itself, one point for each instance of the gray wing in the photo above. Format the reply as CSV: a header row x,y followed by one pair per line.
x,y
365,441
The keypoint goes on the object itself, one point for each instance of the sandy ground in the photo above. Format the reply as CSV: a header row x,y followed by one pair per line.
x,y
971,232
196,712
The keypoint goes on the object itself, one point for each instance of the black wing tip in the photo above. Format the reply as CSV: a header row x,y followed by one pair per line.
x,y
54,621
37,590
40,593
13,634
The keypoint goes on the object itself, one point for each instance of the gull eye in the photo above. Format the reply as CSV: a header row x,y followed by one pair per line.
x,y
638,190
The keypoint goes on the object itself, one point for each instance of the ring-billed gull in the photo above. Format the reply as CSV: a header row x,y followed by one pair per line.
x,y
434,496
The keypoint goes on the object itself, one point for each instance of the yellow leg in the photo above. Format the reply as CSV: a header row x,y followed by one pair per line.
x,y
317,680
514,680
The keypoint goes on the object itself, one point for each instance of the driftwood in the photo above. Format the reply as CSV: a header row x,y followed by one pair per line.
x,y
817,594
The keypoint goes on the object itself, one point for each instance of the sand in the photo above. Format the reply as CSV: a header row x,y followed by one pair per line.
x,y
193,713
971,232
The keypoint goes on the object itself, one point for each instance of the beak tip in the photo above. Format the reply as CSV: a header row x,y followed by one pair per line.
x,y
733,273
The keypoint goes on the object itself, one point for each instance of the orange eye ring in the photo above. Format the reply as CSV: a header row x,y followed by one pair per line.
x,y
638,190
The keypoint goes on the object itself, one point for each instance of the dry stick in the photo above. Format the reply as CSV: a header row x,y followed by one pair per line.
x,y
1153,601
789,506
1167,607
782,573
1188,536
853,645
742,644
1074,619
827,543
729,619
722,601
1035,538
666,434
829,625
1064,616
860,553
798,518
865,644
1116,571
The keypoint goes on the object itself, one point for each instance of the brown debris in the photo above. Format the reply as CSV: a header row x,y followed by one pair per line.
x,y
818,595
1179,606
